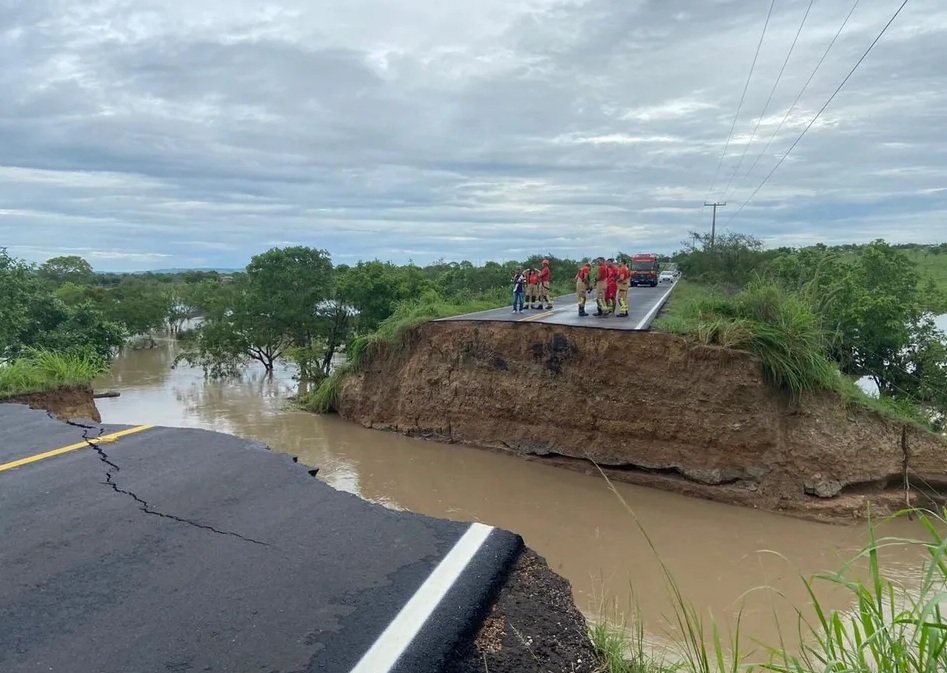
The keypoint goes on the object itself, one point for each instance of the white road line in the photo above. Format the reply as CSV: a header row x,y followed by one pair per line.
x,y
654,309
394,640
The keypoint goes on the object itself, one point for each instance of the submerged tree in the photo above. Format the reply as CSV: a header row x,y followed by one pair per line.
x,y
277,305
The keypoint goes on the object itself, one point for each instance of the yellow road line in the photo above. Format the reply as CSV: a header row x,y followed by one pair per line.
x,y
538,316
104,439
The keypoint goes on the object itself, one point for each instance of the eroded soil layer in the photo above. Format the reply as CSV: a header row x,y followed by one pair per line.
x,y
63,403
649,408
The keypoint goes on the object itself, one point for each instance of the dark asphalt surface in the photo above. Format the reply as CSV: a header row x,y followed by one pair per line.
x,y
644,304
186,550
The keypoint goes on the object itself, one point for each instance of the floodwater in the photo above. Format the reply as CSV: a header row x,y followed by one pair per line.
x,y
722,557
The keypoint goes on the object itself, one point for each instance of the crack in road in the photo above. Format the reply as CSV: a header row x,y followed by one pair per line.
x,y
142,504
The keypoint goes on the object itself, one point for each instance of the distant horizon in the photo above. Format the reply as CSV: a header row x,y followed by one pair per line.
x,y
238,269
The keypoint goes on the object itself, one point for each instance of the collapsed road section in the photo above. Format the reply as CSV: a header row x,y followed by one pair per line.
x,y
163,549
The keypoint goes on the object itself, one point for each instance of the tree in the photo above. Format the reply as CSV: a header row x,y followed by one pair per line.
x,y
140,304
33,317
68,268
277,305
375,288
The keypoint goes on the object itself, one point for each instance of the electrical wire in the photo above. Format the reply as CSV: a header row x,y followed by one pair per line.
x,y
770,98
821,110
742,97
795,102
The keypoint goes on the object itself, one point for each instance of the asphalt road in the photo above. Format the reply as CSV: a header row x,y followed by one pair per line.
x,y
161,549
644,303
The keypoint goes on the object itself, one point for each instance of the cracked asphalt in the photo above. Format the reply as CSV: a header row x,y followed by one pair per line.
x,y
187,550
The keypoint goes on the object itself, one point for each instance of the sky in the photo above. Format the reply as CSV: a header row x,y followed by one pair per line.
x,y
145,134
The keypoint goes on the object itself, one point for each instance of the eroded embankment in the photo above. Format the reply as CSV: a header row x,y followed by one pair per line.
x,y
650,408
62,403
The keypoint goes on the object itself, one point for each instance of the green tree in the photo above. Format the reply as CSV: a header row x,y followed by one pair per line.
x,y
375,288
67,269
140,304
33,317
280,303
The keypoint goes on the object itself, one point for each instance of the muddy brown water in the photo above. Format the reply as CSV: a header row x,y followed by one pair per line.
x,y
720,556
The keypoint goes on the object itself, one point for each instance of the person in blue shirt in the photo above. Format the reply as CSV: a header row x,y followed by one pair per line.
x,y
519,290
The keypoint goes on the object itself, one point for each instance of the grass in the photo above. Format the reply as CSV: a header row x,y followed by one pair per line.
x,y
888,629
782,330
324,399
777,327
42,370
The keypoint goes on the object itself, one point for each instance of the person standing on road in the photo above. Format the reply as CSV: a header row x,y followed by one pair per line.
x,y
519,289
582,280
531,293
545,277
601,282
624,280
611,288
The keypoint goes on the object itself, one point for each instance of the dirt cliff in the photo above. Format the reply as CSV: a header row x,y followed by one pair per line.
x,y
649,408
63,403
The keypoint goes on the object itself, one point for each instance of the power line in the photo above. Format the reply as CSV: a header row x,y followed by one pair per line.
x,y
743,97
821,110
770,98
798,97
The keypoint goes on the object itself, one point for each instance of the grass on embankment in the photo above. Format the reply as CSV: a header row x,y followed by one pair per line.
x,y
391,331
886,630
42,370
782,330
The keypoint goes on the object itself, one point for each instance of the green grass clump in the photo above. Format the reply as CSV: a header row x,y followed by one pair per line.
x,y
776,326
42,370
325,398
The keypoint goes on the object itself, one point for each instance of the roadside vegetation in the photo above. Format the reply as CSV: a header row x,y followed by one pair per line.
x,y
819,319
43,370
889,628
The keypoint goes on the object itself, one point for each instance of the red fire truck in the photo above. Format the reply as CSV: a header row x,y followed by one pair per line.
x,y
644,270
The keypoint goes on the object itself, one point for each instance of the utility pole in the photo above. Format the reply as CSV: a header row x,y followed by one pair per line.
x,y
713,226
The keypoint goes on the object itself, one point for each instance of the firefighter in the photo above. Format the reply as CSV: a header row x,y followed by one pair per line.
x,y
531,288
624,280
582,280
545,276
611,288
601,280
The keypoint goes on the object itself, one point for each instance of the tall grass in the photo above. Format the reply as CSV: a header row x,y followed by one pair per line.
x,y
324,398
776,326
889,628
42,370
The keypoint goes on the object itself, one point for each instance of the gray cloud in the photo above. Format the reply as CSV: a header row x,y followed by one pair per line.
x,y
148,136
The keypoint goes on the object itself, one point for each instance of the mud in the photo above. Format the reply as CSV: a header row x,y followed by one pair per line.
x,y
650,409
533,627
63,403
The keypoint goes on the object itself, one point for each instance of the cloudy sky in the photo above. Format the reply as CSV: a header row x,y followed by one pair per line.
x,y
150,133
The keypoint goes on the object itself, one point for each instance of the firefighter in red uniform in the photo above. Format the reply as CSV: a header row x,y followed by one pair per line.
x,y
601,280
582,281
611,288
624,280
545,277
532,278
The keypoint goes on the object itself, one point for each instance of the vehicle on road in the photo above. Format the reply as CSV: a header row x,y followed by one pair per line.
x,y
667,277
644,270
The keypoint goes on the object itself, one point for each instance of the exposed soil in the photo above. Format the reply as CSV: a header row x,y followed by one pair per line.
x,y
63,403
649,408
533,626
